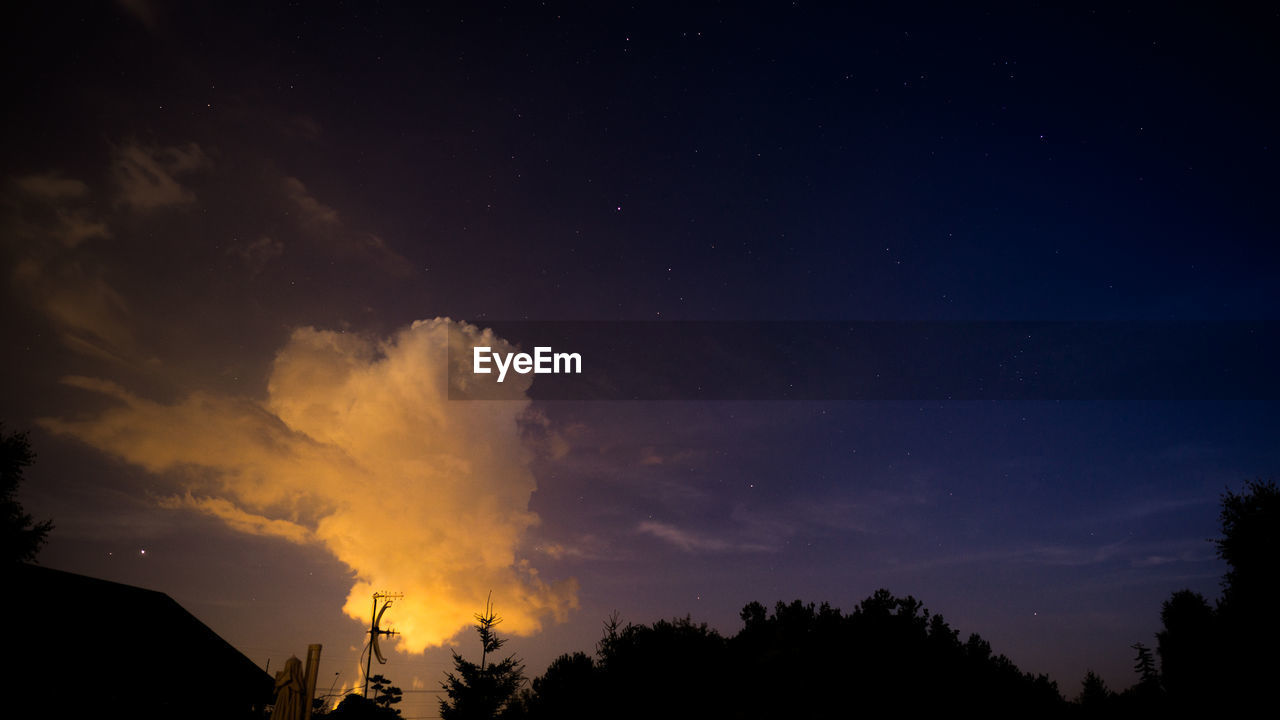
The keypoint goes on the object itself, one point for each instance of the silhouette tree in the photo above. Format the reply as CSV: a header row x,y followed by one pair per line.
x,y
1250,544
889,657
1218,659
22,536
1144,665
1094,694
487,690
672,669
1145,698
1186,647
384,693
1248,627
569,689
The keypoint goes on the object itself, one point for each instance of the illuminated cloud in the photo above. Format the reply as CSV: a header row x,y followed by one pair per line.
x,y
358,448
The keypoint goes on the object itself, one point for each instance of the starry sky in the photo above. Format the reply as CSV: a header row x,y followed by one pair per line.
x,y
237,236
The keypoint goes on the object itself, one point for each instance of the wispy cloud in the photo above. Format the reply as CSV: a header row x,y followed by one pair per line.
x,y
258,253
310,210
52,186
694,542
147,177
49,218
323,223
1120,553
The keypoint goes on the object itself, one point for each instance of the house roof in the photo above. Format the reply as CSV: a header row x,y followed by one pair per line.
x,y
82,645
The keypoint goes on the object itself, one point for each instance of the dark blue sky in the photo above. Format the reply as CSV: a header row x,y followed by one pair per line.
x,y
187,186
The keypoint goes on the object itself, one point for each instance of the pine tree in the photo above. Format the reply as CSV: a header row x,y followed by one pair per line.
x,y
1094,693
1145,665
487,690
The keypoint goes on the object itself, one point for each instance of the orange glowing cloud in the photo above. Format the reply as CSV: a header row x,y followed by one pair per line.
x,y
357,447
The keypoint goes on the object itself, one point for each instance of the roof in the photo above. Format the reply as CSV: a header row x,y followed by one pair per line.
x,y
80,645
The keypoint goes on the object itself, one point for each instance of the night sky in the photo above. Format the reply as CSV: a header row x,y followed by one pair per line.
x,y
236,235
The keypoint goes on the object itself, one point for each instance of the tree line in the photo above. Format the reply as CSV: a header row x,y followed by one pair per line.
x,y
891,654
796,660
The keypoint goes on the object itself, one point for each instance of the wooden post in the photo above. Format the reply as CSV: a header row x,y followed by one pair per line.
x,y
312,669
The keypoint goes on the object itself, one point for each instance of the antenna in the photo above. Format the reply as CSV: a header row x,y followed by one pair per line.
x,y
375,630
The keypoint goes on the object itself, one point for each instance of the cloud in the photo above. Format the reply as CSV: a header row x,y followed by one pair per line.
x,y
46,222
311,210
541,435
241,520
258,253
50,210
52,186
88,260
357,447
92,318
148,176
585,547
1118,553
694,542
75,226
650,456
323,224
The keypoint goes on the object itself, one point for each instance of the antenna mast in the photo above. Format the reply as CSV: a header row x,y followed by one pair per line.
x,y
375,631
